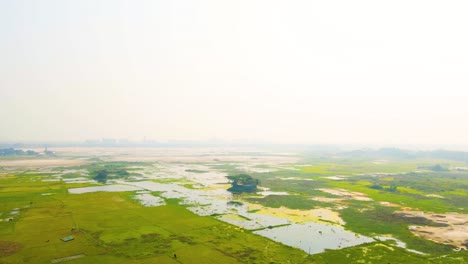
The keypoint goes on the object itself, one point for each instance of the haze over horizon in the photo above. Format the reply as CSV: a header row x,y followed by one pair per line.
x,y
334,72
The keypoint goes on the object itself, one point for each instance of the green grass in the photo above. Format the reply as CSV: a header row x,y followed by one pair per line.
x,y
384,252
408,199
114,228
368,217
381,221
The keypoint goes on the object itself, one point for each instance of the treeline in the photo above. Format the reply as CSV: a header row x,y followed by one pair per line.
x,y
103,175
17,152
105,171
391,188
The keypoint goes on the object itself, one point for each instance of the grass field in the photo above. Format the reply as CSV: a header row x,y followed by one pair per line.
x,y
113,227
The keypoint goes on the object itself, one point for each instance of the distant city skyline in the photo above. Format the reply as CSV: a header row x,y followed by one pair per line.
x,y
302,72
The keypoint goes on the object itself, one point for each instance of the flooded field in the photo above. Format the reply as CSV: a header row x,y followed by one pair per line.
x,y
147,199
212,199
216,202
316,209
105,188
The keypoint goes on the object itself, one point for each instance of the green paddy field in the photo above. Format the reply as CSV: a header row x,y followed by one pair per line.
x,y
37,210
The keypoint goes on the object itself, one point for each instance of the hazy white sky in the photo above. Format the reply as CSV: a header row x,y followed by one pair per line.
x,y
393,72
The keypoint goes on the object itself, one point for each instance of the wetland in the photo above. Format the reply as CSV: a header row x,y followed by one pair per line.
x,y
286,208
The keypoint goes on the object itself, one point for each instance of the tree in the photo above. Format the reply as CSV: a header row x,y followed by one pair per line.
x,y
101,176
393,188
243,183
376,186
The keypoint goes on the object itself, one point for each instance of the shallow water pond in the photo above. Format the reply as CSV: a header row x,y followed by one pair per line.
x,y
147,199
105,188
266,193
314,238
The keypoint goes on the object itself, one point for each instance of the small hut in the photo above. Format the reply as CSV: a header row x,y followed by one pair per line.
x,y
68,238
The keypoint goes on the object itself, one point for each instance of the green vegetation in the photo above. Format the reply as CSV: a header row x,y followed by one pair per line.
x,y
392,188
399,182
115,228
383,252
380,220
436,167
112,228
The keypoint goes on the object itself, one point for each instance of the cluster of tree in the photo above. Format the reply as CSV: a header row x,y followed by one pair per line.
x,y
103,175
243,183
104,171
392,188
17,152
20,152
436,167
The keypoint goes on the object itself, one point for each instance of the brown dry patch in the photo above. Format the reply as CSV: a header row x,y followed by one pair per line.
x,y
447,218
454,233
8,248
327,199
300,216
388,204
346,194
434,195
42,163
